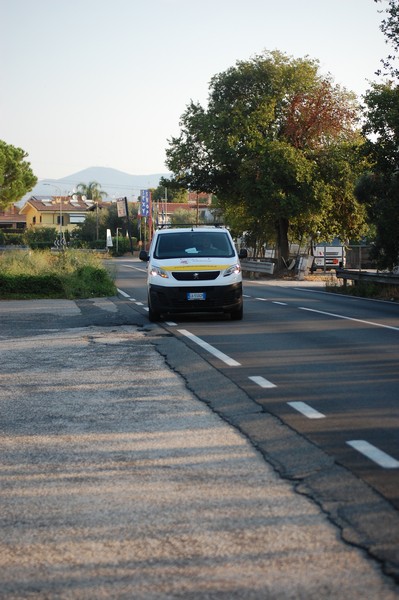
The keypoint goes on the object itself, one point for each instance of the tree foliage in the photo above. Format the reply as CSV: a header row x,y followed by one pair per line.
x,y
390,28
184,216
40,237
380,194
107,219
378,189
91,190
168,193
265,144
16,175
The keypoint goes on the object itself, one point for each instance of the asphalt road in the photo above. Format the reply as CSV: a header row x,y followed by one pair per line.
x,y
133,468
326,366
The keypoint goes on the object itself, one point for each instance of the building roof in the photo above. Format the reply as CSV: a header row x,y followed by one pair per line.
x,y
51,204
12,215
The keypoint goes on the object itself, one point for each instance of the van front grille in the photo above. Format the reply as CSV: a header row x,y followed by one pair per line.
x,y
195,275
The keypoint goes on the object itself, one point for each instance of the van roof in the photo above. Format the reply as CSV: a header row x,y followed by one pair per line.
x,y
189,228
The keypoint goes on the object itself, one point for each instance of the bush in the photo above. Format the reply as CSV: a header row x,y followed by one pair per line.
x,y
43,274
123,245
40,237
34,286
88,281
14,239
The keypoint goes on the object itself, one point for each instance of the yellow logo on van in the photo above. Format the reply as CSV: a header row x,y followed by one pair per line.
x,y
195,267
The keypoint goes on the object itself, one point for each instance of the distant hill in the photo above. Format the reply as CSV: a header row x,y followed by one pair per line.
x,y
116,184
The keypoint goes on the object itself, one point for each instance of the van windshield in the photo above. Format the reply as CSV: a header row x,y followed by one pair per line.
x,y
196,243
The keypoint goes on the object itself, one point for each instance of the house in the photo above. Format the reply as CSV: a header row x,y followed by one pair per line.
x,y
61,212
11,221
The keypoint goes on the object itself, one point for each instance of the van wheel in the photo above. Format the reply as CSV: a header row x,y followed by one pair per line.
x,y
153,316
237,315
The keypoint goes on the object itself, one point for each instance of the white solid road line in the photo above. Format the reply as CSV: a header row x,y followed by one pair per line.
x,y
375,454
123,293
136,268
321,312
262,382
305,409
223,357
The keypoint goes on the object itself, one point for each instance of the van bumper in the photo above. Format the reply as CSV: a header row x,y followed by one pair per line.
x,y
223,298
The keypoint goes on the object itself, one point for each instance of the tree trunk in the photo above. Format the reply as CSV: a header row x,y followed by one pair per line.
x,y
282,243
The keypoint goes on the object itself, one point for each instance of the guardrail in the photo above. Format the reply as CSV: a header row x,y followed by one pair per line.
x,y
255,265
385,278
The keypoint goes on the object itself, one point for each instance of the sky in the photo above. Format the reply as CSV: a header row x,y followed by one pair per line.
x,y
103,83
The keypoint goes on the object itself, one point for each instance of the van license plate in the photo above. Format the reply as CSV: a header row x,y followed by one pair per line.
x,y
196,296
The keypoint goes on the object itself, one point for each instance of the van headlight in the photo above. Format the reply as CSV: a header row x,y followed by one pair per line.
x,y
233,270
158,272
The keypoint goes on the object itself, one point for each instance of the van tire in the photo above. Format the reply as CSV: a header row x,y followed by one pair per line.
x,y
153,316
237,315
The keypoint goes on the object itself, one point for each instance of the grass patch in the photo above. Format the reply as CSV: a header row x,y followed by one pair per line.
x,y
42,274
361,289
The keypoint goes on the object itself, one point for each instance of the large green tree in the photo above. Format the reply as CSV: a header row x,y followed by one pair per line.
x,y
266,141
378,189
16,175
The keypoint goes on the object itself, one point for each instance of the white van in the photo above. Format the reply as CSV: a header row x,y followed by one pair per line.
x,y
193,269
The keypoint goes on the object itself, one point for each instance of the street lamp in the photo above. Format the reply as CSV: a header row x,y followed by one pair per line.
x,y
60,200
117,229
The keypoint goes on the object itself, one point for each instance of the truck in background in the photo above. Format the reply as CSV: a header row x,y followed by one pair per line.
x,y
329,255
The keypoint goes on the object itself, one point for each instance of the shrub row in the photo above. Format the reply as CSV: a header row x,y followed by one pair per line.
x,y
49,286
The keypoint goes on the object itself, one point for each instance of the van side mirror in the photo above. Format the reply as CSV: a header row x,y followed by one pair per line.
x,y
144,255
243,253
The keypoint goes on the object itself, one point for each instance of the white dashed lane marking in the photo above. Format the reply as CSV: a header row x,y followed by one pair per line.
x,y
261,381
375,454
306,410
211,349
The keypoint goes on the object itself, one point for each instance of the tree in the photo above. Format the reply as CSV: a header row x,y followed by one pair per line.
x,y
390,28
380,195
381,126
184,216
378,189
95,228
16,175
169,193
262,142
91,190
